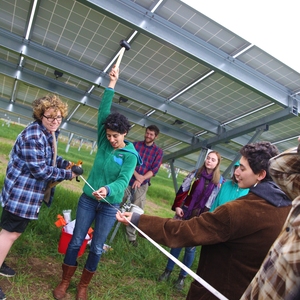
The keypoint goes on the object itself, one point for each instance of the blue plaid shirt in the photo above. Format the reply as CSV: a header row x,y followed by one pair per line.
x,y
29,170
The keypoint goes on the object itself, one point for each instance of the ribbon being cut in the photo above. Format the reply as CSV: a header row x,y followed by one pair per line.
x,y
178,262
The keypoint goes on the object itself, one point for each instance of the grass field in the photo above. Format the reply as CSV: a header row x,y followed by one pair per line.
x,y
124,272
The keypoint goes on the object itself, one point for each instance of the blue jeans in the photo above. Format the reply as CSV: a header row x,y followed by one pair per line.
x,y
90,210
189,255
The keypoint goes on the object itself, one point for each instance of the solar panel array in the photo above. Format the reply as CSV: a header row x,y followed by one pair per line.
x,y
239,93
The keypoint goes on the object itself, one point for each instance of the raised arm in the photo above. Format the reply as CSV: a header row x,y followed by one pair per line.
x,y
114,76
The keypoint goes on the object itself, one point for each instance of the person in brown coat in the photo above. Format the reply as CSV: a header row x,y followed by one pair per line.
x,y
279,275
236,237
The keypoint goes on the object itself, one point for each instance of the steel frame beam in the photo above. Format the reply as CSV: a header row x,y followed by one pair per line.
x,y
226,136
86,73
152,25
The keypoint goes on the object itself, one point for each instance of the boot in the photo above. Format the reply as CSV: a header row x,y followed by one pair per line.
x,y
60,290
83,284
179,284
165,275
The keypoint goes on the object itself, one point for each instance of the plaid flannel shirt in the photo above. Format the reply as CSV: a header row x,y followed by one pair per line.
x,y
279,275
29,170
152,158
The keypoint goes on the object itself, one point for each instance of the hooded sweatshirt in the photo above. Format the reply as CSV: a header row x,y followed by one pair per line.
x,y
270,191
112,168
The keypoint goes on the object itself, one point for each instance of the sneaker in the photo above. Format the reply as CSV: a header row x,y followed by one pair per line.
x,y
6,271
133,243
2,295
179,284
165,275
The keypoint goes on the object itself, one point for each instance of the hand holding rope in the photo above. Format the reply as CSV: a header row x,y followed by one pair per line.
x,y
122,217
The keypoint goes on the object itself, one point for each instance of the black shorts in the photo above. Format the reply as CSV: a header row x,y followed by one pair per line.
x,y
13,223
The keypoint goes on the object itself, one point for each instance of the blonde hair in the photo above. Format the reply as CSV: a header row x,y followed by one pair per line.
x,y
216,173
49,101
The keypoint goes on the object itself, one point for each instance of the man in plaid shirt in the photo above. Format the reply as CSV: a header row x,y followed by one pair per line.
x,y
279,275
138,186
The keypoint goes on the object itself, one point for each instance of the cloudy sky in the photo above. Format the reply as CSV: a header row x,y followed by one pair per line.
x,y
271,25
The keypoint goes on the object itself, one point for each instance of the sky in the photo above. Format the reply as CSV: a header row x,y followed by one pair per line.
x,y
271,25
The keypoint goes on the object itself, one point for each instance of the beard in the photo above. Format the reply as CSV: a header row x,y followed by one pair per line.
x,y
149,140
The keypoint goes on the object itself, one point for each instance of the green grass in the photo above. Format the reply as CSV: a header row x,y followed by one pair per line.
x,y
123,273
10,132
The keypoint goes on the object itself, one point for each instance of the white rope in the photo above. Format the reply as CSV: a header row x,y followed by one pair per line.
x,y
178,262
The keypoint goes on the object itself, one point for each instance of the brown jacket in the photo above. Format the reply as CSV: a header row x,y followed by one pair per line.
x,y
235,239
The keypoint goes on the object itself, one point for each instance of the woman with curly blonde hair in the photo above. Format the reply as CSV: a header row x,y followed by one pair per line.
x,y
31,170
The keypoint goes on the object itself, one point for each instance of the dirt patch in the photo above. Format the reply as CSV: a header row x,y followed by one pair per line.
x,y
41,270
3,163
7,141
72,185
151,208
4,158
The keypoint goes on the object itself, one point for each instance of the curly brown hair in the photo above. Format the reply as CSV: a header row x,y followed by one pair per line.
x,y
258,156
49,101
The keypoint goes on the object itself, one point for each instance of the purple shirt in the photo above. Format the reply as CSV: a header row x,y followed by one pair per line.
x,y
151,157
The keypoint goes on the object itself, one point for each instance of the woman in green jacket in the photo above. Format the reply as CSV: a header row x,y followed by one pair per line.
x,y
229,191
113,167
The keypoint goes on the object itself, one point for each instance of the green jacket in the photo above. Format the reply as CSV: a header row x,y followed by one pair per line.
x,y
229,191
111,168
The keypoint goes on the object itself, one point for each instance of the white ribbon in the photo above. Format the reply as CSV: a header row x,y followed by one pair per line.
x,y
178,262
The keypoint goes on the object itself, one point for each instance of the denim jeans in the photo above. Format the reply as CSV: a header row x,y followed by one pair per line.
x,y
189,255
90,210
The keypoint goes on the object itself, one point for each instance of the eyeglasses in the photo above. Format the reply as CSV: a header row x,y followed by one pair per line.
x,y
51,119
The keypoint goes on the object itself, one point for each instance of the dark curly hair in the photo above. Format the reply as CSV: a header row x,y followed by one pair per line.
x,y
117,122
258,156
